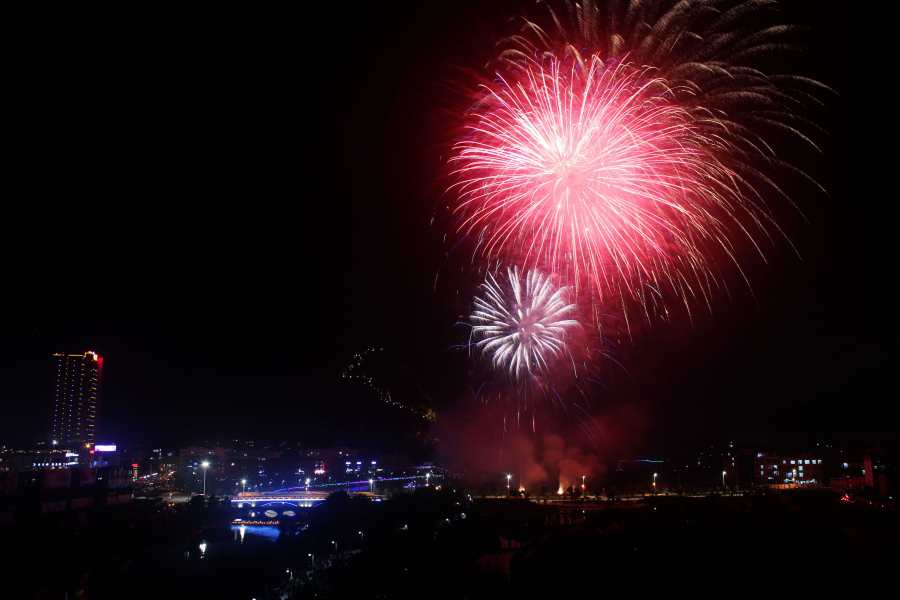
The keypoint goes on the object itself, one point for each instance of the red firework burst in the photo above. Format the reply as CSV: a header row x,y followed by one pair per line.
x,y
623,145
594,168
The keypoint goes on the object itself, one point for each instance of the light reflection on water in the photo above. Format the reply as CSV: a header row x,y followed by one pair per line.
x,y
268,533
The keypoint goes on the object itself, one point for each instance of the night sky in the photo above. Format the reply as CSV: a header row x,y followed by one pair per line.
x,y
229,206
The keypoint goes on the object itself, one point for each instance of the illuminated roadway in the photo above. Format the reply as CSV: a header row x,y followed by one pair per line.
x,y
298,499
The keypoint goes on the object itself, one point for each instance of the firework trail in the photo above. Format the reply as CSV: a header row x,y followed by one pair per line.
x,y
524,326
625,145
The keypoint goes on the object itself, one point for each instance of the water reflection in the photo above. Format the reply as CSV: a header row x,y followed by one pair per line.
x,y
268,533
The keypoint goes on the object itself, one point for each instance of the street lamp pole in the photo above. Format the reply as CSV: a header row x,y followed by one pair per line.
x,y
508,477
371,486
362,538
206,464
243,484
583,495
723,481
654,484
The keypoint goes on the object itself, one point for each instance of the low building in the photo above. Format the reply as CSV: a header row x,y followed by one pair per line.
x,y
847,482
68,492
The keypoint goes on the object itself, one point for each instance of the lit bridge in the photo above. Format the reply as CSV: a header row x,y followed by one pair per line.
x,y
298,499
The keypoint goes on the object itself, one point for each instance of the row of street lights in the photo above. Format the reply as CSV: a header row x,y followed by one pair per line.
x,y
583,488
244,482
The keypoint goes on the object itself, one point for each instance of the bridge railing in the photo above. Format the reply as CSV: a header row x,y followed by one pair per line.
x,y
252,495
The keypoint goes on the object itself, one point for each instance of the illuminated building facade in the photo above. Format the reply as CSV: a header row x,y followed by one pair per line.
x,y
75,413
772,470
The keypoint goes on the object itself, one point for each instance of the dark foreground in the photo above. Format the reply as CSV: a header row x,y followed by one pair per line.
x,y
444,544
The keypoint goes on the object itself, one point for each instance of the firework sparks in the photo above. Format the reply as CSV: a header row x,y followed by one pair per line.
x,y
524,326
627,177
593,167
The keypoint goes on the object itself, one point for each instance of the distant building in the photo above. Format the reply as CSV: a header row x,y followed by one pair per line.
x,y
224,462
31,460
75,410
67,495
241,464
847,482
338,453
331,460
392,461
737,463
774,470
192,458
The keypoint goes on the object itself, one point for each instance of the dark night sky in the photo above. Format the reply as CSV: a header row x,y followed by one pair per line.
x,y
227,207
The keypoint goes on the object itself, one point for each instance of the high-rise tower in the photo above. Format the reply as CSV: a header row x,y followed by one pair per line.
x,y
75,412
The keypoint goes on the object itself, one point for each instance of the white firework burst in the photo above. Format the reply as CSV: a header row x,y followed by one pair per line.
x,y
524,327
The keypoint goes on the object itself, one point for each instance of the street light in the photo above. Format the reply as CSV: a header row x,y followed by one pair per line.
x,y
362,538
723,479
206,464
335,546
508,477
582,489
243,483
654,484
307,485
371,486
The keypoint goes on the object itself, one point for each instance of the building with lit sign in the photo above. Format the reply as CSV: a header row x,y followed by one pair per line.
x,y
75,410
